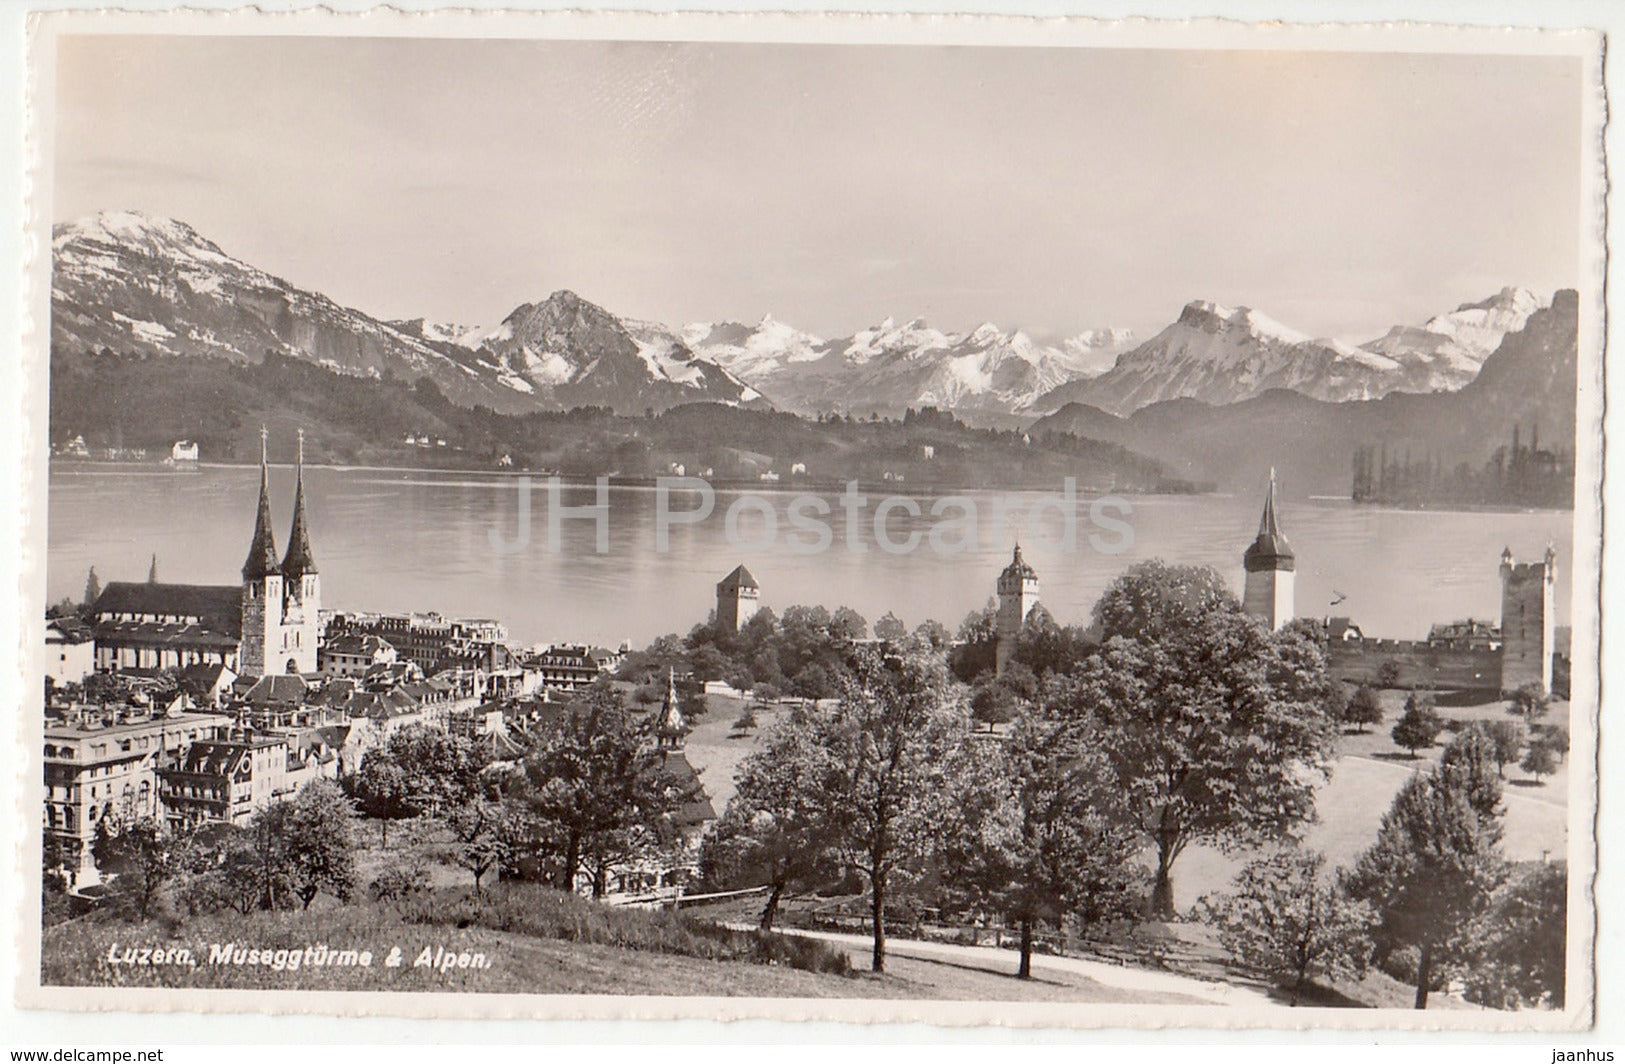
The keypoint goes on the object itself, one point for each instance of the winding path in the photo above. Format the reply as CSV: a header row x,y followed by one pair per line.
x,y
1003,962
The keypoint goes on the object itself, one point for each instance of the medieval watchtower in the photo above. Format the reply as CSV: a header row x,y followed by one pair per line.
x,y
1526,620
738,596
1018,594
1271,569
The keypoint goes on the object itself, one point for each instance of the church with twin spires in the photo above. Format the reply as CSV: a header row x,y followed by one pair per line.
x,y
267,624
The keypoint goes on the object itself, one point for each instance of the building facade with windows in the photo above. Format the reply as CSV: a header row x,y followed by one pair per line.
x,y
103,764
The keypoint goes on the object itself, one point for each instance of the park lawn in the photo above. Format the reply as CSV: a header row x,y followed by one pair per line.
x,y
1369,771
715,749
1377,742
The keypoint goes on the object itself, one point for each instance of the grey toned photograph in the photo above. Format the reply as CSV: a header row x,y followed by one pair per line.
x,y
1086,530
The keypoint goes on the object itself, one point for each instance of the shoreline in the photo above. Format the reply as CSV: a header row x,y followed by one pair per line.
x,y
780,487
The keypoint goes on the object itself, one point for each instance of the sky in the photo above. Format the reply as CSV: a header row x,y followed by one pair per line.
x,y
1054,189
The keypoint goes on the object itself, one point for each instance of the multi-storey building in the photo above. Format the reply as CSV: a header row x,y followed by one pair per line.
x,y
103,764
569,666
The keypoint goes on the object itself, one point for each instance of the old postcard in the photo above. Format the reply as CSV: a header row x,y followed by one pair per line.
x,y
967,520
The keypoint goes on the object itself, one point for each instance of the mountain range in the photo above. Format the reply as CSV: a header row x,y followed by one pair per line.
x,y
1219,391
1220,355
1529,380
130,282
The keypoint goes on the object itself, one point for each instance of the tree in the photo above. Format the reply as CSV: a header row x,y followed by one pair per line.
x,y
93,590
1539,760
440,770
1530,702
774,830
318,839
1337,701
478,830
1467,764
1419,725
1043,646
848,625
1215,727
890,736
933,634
1036,831
265,864
401,883
1288,920
1518,945
1508,739
992,703
56,877
592,778
1364,708
381,791
1431,870
973,652
141,855
891,629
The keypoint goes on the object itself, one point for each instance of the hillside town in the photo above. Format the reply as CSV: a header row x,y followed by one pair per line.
x,y
183,710
197,704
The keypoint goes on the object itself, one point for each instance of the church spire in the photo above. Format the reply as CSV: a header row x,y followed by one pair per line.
x,y
671,726
262,552
299,560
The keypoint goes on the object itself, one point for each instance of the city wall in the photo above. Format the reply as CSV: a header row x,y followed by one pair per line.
x,y
1415,662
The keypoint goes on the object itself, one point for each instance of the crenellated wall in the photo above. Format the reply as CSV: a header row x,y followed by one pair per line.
x,y
1415,662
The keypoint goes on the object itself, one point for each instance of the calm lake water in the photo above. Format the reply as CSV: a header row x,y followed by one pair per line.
x,y
411,540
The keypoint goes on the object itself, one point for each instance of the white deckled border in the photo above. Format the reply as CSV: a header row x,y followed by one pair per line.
x,y
852,29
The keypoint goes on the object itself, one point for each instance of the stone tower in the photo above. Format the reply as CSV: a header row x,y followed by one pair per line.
x,y
1018,594
738,596
262,588
302,585
1526,620
1271,569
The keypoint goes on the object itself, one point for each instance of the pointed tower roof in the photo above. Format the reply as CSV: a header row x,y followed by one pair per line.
x,y
1270,550
1018,567
299,559
670,727
739,578
262,552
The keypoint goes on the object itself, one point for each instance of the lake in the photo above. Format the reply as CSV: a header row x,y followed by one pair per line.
x,y
397,540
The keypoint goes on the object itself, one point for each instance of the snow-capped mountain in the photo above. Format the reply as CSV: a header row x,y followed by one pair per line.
x,y
1221,355
890,367
127,281
1447,351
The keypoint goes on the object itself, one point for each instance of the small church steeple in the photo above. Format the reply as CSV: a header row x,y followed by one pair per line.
x,y
670,728
299,561
262,551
